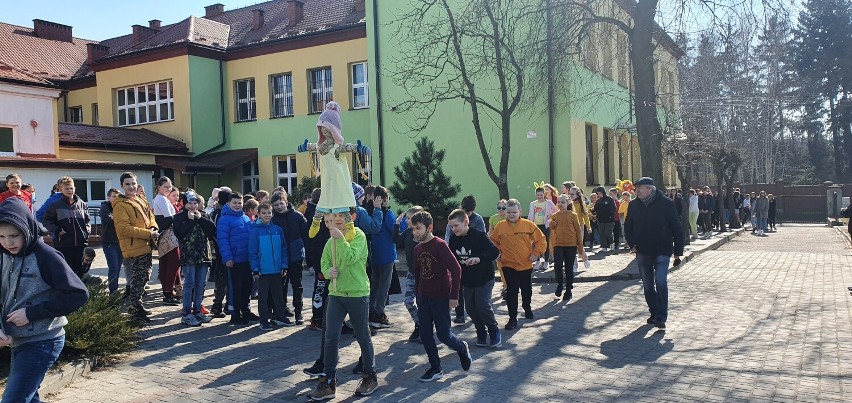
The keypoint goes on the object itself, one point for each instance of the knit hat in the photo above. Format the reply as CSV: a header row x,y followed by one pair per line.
x,y
357,190
644,181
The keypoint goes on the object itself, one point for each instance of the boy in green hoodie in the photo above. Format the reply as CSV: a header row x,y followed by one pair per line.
x,y
344,262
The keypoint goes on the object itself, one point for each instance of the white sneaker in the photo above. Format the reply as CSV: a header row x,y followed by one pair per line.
x,y
576,268
587,264
190,320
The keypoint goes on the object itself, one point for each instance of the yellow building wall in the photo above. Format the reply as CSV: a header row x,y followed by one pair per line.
x,y
338,56
175,69
76,154
84,98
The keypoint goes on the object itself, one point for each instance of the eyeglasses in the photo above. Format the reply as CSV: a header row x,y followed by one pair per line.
x,y
500,208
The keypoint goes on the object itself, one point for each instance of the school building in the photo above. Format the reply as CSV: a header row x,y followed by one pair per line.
x,y
225,97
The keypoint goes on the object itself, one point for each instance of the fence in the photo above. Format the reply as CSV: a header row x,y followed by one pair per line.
x,y
802,208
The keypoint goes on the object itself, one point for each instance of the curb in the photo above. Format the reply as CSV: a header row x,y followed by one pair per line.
x,y
58,378
845,234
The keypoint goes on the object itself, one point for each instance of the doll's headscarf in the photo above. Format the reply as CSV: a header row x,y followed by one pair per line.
x,y
330,119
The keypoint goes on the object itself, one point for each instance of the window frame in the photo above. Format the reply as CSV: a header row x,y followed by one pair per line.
x,y
286,96
13,152
123,110
326,92
591,160
356,86
254,177
250,100
88,196
292,178
71,112
96,117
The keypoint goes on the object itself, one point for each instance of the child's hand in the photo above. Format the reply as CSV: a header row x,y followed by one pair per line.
x,y
333,273
399,219
4,340
472,261
229,264
533,258
18,317
256,276
454,303
335,233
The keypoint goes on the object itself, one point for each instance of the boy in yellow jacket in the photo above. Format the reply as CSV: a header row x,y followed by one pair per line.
x,y
137,231
521,243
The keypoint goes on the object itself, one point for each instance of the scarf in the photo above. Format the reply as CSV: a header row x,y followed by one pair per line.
x,y
650,198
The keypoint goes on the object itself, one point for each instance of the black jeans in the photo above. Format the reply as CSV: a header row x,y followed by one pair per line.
x,y
705,220
294,276
518,281
74,257
564,256
241,283
546,232
219,275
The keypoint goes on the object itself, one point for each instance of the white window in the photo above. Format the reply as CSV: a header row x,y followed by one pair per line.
x,y
251,177
360,88
287,172
91,190
75,114
7,141
245,100
282,95
148,103
321,91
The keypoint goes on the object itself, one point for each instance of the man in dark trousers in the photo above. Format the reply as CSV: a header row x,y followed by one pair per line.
x,y
653,232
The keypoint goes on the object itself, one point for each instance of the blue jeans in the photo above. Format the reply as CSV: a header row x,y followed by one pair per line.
x,y
30,361
761,223
655,270
112,253
194,282
435,311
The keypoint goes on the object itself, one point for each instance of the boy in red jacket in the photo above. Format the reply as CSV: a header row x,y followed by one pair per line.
x,y
437,281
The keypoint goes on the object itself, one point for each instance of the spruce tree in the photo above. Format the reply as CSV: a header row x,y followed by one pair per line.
x,y
421,181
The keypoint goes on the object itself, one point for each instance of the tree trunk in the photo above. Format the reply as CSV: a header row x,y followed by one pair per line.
x,y
647,121
683,173
836,142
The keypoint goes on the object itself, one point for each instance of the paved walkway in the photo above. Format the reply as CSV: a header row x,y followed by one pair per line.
x,y
759,319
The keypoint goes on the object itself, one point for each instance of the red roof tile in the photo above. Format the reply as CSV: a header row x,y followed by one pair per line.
x,y
48,59
118,138
10,73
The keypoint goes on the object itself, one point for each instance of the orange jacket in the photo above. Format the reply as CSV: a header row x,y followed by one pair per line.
x,y
517,242
565,230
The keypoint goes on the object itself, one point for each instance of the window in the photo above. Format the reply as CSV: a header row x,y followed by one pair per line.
x,y
607,144
245,100
7,141
287,172
96,119
606,49
251,177
360,88
149,103
91,190
282,95
623,64
590,53
362,166
321,91
673,90
75,114
590,156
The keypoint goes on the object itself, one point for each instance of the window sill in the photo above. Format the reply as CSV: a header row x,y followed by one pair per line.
x,y
314,113
282,117
245,121
359,109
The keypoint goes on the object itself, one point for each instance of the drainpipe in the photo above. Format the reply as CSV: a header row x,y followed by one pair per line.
x,y
222,109
376,66
65,106
550,97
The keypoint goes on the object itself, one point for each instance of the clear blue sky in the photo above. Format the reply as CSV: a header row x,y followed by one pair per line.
x,y
102,19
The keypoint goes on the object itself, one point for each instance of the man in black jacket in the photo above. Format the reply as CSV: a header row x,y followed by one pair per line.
x,y
605,211
653,232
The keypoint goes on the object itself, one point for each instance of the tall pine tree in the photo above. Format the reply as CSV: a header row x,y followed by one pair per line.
x,y
420,180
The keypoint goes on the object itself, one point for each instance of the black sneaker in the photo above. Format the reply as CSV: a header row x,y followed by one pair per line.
x,y
459,320
298,320
288,312
139,310
558,290
265,325
415,335
651,320
464,357
238,322
513,323
383,322
568,295
359,367
219,314
315,370
482,338
170,300
503,295
660,325
432,375
251,317
282,322
529,314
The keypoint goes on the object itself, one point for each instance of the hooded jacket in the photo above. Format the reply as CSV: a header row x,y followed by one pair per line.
x,y
69,215
194,236
351,261
232,234
267,248
37,279
133,221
